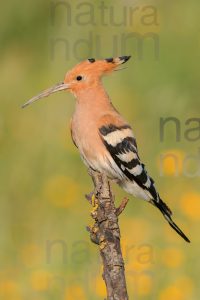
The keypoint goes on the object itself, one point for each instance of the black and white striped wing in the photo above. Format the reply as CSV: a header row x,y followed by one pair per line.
x,y
121,144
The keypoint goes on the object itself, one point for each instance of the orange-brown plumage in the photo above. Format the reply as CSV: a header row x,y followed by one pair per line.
x,y
104,139
93,71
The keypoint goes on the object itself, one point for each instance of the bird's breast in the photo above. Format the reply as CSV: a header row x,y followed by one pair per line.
x,y
85,129
85,134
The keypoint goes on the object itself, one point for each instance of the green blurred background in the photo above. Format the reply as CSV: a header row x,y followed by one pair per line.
x,y
45,250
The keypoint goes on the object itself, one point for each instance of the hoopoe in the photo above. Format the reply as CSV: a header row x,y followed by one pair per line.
x,y
104,139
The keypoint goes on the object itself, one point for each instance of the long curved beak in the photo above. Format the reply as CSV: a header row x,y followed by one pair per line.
x,y
58,87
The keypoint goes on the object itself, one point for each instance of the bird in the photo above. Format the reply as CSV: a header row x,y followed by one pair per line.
x,y
105,140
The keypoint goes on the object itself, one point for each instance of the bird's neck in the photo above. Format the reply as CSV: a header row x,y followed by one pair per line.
x,y
93,98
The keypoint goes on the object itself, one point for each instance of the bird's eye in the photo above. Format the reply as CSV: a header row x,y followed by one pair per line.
x,y
79,77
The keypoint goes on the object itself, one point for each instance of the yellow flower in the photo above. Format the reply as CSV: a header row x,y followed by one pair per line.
x,y
61,191
190,205
137,230
75,292
186,284
180,290
173,293
137,256
31,255
9,290
172,257
139,283
100,287
145,284
170,162
40,280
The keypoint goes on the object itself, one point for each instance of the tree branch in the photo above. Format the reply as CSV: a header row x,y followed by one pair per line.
x,y
106,233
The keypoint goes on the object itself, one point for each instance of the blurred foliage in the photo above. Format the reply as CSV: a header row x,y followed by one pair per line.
x,y
45,249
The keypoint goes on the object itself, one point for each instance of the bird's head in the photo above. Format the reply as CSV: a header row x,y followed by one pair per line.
x,y
84,75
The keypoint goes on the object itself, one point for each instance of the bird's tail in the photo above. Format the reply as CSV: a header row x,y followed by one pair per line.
x,y
167,214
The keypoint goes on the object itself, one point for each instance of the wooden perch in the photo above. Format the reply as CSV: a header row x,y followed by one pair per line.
x,y
106,233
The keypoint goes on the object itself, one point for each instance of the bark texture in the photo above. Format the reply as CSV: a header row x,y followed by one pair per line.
x,y
106,233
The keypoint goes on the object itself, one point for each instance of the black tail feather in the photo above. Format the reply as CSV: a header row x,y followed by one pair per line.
x,y
167,214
